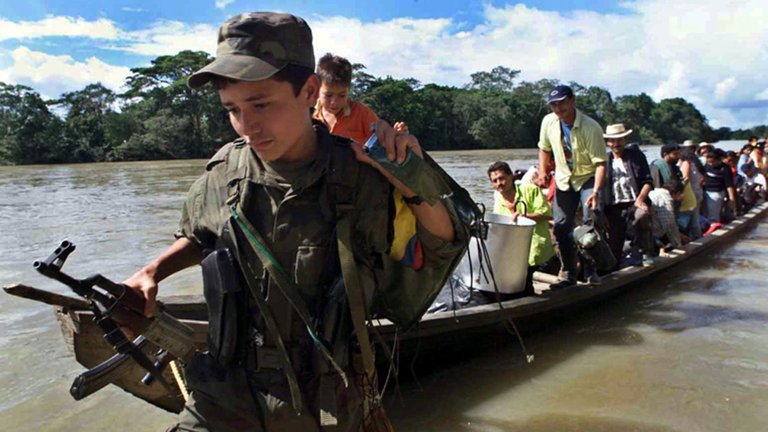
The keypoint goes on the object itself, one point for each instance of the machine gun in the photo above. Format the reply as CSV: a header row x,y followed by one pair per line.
x,y
115,304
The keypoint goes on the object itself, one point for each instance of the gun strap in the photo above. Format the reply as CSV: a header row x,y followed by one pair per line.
x,y
269,320
285,285
352,283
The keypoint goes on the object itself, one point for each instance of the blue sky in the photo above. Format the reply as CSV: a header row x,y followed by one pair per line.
x,y
710,52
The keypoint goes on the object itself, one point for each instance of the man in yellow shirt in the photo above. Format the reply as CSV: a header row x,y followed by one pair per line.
x,y
576,142
506,199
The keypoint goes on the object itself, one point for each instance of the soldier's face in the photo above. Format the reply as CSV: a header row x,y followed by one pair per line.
x,y
271,118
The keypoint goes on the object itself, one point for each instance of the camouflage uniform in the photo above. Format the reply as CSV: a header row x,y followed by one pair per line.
x,y
299,222
244,385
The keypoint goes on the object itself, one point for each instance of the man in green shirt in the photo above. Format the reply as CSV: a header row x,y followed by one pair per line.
x,y
507,200
576,142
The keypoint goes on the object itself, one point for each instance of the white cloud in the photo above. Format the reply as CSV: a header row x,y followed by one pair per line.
x,y
221,4
53,75
59,26
710,52
169,37
131,9
724,88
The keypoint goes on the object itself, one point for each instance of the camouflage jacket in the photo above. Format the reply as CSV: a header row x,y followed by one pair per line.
x,y
300,225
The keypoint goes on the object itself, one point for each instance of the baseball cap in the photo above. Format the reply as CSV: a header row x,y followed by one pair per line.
x,y
254,46
559,93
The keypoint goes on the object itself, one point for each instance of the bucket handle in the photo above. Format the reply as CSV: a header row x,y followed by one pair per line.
x,y
525,207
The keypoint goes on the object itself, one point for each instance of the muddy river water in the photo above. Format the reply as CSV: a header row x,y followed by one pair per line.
x,y
686,351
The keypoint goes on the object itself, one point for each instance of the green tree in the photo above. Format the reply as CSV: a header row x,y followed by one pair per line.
x,y
438,127
596,102
362,82
531,102
394,100
677,120
499,78
84,127
636,112
29,132
162,88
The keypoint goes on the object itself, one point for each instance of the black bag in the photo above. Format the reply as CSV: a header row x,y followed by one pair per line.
x,y
592,245
224,296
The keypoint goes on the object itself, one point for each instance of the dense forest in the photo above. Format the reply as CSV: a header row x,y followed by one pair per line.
x,y
159,117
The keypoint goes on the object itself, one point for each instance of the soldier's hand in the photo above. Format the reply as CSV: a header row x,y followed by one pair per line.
x,y
396,144
396,141
143,282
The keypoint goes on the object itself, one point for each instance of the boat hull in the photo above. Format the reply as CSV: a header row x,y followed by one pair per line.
x,y
445,332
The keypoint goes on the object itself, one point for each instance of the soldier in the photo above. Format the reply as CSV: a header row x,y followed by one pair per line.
x,y
292,226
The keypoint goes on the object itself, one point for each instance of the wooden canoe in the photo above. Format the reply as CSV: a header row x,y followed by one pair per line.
x,y
457,328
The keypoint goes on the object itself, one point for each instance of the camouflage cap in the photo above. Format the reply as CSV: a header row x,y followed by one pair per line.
x,y
255,46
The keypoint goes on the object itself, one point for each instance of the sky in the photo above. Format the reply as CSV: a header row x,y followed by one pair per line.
x,y
714,53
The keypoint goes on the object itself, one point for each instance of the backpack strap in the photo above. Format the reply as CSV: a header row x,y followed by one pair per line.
x,y
236,157
343,177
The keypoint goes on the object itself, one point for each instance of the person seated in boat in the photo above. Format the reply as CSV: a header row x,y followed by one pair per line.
x,y
665,169
758,158
752,188
731,161
268,213
510,199
575,142
702,150
663,202
718,186
628,182
744,158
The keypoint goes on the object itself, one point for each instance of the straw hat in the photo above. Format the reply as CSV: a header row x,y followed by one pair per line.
x,y
616,131
688,143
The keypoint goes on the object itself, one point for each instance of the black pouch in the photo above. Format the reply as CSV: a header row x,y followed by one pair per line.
x,y
334,328
222,287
